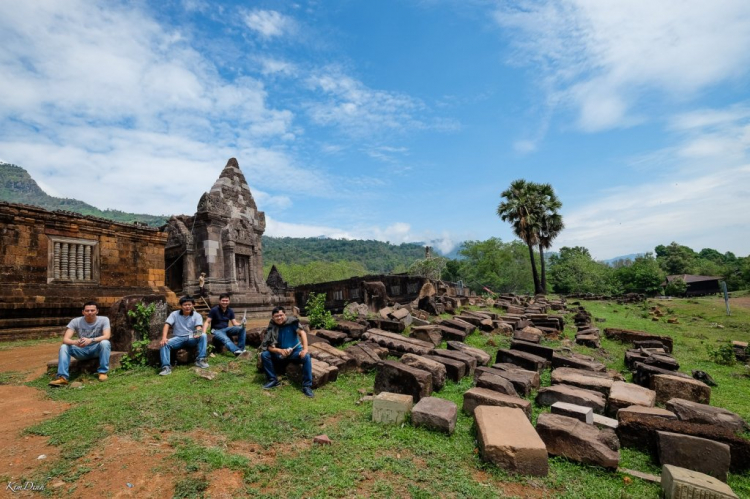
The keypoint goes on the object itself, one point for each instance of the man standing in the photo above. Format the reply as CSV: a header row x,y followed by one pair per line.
x,y
285,341
218,322
93,341
187,331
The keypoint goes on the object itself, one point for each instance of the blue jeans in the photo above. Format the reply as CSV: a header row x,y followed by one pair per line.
x,y
99,349
271,359
224,336
177,342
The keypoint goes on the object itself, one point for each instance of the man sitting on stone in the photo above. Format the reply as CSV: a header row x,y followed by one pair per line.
x,y
93,342
218,322
187,331
285,341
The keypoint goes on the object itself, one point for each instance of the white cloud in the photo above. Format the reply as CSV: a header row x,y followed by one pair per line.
x,y
602,56
269,23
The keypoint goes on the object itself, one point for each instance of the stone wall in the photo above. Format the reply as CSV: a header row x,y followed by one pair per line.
x,y
52,262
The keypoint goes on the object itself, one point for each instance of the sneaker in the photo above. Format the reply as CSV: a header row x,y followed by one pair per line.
x,y
165,371
271,384
242,354
58,381
201,363
103,377
308,391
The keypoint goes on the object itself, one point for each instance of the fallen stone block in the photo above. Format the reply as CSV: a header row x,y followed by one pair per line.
x,y
333,356
588,340
398,342
533,348
577,362
668,387
483,396
563,393
579,412
693,412
521,359
582,379
629,336
523,381
430,334
628,394
455,370
436,414
603,422
396,377
496,383
452,334
482,357
333,337
528,336
353,329
740,350
458,324
577,441
391,408
679,483
367,354
506,438
643,374
322,373
694,453
436,369
470,361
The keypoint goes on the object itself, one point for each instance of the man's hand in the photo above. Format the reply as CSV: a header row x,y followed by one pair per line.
x,y
163,341
84,342
302,353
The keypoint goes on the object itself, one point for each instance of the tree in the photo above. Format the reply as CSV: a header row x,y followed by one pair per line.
x,y
502,267
574,271
642,276
531,209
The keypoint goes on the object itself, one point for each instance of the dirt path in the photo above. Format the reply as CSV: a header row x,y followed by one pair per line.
x,y
30,361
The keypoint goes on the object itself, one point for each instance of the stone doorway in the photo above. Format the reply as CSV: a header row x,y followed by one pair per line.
x,y
174,273
242,263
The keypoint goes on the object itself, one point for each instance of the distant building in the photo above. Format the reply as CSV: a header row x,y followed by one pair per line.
x,y
697,285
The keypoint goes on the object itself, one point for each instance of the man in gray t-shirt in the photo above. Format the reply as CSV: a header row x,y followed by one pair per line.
x,y
187,331
93,341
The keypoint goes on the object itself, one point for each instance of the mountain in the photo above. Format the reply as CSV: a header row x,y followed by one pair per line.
x,y
631,256
17,186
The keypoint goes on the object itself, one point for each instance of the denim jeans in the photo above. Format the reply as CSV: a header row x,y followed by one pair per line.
x,y
99,349
224,336
177,342
271,360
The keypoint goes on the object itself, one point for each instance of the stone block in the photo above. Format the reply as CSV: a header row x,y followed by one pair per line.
x,y
367,354
396,377
431,334
524,382
579,412
603,422
333,337
483,396
495,383
521,359
507,439
680,483
577,441
333,356
528,336
391,408
643,374
563,393
468,360
436,369
455,370
628,394
668,387
694,453
435,413
452,334
577,362
322,372
694,412
588,380
533,348
482,357
398,342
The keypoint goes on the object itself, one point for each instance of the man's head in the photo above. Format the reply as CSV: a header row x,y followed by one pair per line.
x,y
90,309
186,304
224,300
278,315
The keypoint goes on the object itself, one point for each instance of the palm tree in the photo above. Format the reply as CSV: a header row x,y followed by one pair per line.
x,y
521,208
549,222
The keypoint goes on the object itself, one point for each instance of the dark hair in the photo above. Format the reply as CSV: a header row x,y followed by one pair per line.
x,y
277,309
223,295
186,299
89,303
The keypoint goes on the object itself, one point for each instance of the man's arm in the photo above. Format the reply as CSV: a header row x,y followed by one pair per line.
x,y
303,339
236,323
164,333
106,334
68,338
208,323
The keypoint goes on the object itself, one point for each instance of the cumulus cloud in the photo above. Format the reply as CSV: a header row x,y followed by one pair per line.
x,y
603,56
269,23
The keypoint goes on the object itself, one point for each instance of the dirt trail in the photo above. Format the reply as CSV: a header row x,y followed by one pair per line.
x,y
31,361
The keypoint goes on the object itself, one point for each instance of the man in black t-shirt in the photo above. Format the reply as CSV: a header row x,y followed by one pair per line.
x,y
219,319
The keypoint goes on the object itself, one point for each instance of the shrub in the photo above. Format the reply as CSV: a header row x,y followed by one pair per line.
x,y
141,318
320,318
723,354
677,287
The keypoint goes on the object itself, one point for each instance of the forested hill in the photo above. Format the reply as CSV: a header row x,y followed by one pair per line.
x,y
17,186
375,256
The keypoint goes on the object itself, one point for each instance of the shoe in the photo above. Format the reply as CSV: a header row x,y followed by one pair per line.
x,y
242,354
201,363
271,384
165,371
103,377
59,381
308,391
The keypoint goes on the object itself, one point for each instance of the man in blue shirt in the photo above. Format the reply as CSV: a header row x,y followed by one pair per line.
x,y
187,331
285,341
218,322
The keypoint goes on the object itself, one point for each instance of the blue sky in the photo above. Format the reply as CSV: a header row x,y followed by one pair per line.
x,y
393,120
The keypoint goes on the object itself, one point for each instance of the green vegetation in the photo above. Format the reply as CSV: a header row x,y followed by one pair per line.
x,y
314,272
17,186
501,267
141,318
207,424
319,317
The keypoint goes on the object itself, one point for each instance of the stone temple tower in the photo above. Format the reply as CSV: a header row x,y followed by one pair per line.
x,y
223,241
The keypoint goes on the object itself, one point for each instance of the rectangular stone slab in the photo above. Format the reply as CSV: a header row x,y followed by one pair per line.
x,y
679,483
533,348
470,361
430,334
436,369
398,342
333,356
564,393
668,387
579,412
693,412
581,379
455,370
391,408
396,377
367,354
452,334
629,336
507,439
436,414
576,441
482,357
624,395
524,382
496,383
577,363
322,373
483,396
523,360
694,453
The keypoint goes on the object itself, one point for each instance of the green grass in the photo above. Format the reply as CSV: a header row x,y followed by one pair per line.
x,y
366,459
